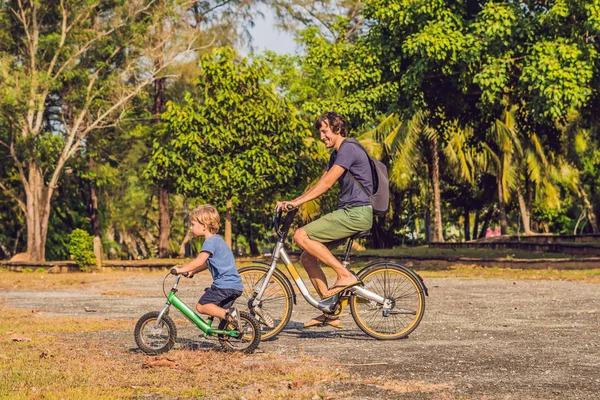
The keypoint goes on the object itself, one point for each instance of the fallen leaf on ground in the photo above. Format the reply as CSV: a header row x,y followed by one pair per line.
x,y
3,357
19,338
296,384
160,362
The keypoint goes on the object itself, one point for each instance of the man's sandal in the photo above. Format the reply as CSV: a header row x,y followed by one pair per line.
x,y
341,288
322,320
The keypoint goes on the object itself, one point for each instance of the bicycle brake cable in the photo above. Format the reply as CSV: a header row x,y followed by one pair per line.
x,y
164,280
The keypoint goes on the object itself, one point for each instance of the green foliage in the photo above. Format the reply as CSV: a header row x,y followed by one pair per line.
x,y
81,248
239,141
558,75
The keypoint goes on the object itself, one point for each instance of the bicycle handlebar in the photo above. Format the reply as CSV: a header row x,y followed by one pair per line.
x,y
287,222
174,272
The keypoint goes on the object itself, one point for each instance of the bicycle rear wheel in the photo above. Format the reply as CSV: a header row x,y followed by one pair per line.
x,y
276,303
406,297
249,338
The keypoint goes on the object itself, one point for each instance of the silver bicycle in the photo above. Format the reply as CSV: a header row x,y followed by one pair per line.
x,y
389,304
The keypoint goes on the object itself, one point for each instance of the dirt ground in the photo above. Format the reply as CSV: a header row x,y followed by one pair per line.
x,y
480,338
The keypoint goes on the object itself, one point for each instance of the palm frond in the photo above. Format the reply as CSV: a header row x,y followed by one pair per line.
x,y
459,156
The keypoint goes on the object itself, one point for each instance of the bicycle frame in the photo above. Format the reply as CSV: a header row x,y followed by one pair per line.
x,y
176,302
327,305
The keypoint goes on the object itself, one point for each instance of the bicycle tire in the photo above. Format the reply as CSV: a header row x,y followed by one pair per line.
x,y
155,341
277,300
250,337
391,281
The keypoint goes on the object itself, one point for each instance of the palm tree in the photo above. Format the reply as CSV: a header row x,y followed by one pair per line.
x,y
412,149
540,175
523,166
582,148
503,149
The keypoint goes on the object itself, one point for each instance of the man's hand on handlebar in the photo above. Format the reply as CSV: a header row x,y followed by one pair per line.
x,y
285,206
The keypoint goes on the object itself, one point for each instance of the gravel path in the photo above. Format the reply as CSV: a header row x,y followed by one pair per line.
x,y
495,339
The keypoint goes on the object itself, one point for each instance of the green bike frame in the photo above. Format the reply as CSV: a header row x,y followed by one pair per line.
x,y
176,302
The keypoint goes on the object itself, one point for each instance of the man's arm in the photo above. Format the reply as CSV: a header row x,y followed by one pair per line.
x,y
326,182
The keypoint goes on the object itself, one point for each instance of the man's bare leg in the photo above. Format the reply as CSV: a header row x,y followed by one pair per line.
x,y
319,251
315,273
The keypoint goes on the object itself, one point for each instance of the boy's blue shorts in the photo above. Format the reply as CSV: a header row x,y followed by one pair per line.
x,y
224,298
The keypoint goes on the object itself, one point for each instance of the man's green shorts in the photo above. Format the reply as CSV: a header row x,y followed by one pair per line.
x,y
340,224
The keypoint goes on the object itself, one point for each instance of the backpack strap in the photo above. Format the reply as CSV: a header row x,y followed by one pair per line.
x,y
360,185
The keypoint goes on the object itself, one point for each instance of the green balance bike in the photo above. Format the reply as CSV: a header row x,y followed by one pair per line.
x,y
155,332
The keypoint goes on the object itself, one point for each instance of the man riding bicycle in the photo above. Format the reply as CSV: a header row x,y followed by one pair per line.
x,y
349,165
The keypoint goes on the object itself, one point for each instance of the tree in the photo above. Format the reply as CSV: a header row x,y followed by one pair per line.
x,y
476,60
409,145
239,143
62,81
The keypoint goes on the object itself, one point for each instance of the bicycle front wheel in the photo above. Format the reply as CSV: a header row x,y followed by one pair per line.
x,y
406,302
154,338
276,303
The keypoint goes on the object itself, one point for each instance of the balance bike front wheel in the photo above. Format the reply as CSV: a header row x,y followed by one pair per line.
x,y
153,339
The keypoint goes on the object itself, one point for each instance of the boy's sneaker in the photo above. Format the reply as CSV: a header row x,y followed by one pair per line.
x,y
233,317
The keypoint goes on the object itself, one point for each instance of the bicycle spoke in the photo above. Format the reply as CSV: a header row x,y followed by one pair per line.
x,y
395,285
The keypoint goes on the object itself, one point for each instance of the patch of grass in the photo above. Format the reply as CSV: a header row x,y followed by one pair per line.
x,y
71,280
426,251
406,386
479,272
67,358
124,293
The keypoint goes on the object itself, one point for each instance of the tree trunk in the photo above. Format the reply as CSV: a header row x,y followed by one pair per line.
x,y
486,222
228,213
502,207
182,247
94,218
437,203
529,202
467,225
427,223
164,224
589,210
253,247
110,236
379,239
525,214
476,225
38,213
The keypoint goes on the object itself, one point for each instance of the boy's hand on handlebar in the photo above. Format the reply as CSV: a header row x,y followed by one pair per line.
x,y
175,271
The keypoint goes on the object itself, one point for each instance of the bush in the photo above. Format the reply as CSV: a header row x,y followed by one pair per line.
x,y
81,248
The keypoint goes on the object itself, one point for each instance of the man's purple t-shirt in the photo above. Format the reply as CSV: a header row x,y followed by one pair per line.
x,y
355,161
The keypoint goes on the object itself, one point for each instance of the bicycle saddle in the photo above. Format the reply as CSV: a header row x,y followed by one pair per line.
x,y
361,234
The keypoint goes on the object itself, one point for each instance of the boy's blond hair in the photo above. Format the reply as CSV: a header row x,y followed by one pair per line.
x,y
209,216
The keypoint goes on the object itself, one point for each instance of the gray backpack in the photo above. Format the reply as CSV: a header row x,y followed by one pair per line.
x,y
380,199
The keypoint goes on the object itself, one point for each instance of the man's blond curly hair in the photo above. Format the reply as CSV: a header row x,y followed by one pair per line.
x,y
207,215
